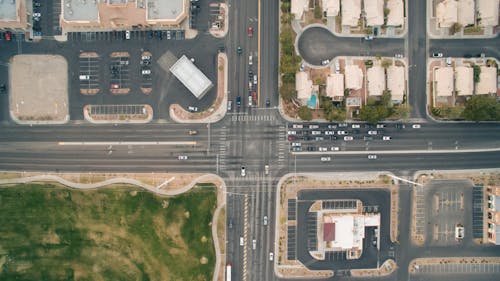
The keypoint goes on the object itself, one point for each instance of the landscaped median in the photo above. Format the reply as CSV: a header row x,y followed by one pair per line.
x,y
218,109
120,232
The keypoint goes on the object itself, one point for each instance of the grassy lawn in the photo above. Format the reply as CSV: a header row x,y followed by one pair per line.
x,y
49,232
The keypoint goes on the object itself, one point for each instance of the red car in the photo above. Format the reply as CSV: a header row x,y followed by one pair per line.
x,y
8,36
250,31
254,97
115,86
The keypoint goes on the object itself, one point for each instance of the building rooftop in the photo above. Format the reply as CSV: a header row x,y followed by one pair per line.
x,y
396,14
329,231
12,14
331,7
444,81
446,13
376,80
303,85
80,11
488,12
353,77
487,81
8,10
396,82
335,85
298,7
351,11
466,12
464,80
165,10
374,10
191,77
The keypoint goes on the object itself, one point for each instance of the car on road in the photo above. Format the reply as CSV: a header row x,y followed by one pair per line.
x,y
271,256
239,50
266,169
243,171
372,156
416,126
255,79
241,241
193,108
250,100
386,138
182,157
325,62
254,244
348,138
373,133
268,102
341,133
322,149
250,60
250,31
37,15
265,220
437,55
326,159
238,101
192,132
229,105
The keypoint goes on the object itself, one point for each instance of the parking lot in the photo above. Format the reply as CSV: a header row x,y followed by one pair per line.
x,y
89,73
120,74
121,35
129,109
458,268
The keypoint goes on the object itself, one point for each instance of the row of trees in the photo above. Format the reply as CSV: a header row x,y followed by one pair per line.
x,y
289,61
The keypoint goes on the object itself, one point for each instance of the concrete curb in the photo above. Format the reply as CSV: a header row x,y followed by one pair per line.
x,y
89,119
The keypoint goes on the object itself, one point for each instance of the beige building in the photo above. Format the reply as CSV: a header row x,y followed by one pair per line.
x,y
376,80
335,86
353,77
77,15
487,81
465,13
351,11
13,15
298,7
374,10
396,14
396,82
443,81
446,13
488,12
493,218
303,86
331,7
464,80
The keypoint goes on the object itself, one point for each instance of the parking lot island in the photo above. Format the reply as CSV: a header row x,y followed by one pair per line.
x,y
39,89
218,109
126,113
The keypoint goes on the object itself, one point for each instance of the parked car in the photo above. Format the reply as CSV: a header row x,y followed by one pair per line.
x,y
193,108
437,55
416,126
348,138
369,37
325,62
127,34
373,133
341,133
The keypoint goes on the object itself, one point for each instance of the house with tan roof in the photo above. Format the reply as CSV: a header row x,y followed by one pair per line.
x,y
303,86
487,81
396,12
331,7
298,7
466,11
446,13
335,86
396,82
351,12
353,77
374,10
488,12
79,15
443,81
464,80
376,80
13,15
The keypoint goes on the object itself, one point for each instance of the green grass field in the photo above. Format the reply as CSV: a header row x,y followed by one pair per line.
x,y
49,232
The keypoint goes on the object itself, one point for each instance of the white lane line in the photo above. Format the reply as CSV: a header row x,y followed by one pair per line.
x,y
127,143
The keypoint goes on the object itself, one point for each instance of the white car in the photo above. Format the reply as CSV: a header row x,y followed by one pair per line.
x,y
84,77
348,138
313,126
334,148
329,133
183,157
243,172
399,56
316,133
266,169
343,125
416,126
254,244
341,133
271,256
292,132
250,61
241,241
296,144
127,34
193,108
265,220
326,159
372,156
379,126
386,138
325,62
372,133
297,126
355,126
146,71
322,149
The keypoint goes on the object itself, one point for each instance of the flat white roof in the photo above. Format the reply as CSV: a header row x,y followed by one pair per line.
x,y
488,12
80,11
374,10
165,10
303,85
444,81
353,77
351,11
191,77
298,7
466,12
396,14
332,7
487,81
396,82
376,80
464,80
447,13
335,85
8,10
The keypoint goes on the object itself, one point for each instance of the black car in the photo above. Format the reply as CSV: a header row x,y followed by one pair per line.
x,y
268,102
311,148
238,101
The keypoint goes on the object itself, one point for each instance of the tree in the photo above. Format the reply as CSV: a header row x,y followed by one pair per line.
x,y
482,108
305,113
477,73
386,98
456,27
317,12
386,63
287,91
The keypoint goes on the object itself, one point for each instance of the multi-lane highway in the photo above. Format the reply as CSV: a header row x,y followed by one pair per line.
x,y
253,137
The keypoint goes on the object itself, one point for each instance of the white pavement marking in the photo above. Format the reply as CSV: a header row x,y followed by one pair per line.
x,y
127,143
245,237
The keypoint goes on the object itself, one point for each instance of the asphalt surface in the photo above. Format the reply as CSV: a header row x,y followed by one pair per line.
x,y
249,137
